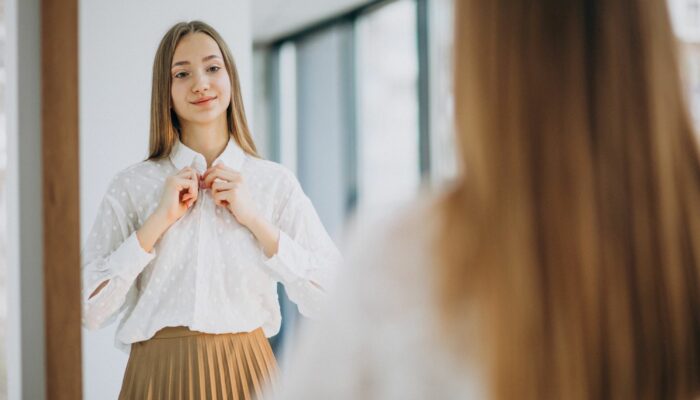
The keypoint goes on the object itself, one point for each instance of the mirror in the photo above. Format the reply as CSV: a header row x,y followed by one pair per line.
x,y
338,125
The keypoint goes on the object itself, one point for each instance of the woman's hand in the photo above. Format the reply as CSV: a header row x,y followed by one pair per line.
x,y
179,193
230,190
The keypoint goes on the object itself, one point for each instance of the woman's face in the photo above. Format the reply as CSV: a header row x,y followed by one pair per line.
x,y
201,89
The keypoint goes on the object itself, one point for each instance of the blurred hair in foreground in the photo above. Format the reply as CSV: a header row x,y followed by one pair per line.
x,y
573,237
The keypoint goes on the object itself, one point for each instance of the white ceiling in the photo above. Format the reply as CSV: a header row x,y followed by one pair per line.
x,y
273,19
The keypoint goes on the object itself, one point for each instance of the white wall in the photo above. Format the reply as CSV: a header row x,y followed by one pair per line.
x,y
25,294
118,40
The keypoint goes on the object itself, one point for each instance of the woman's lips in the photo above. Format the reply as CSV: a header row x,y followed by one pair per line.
x,y
203,101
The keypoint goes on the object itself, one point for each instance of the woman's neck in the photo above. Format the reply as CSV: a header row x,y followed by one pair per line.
x,y
210,140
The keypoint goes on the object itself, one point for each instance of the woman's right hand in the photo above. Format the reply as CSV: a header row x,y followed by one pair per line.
x,y
179,193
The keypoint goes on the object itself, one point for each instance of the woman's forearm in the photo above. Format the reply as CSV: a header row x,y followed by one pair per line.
x,y
267,234
151,230
148,235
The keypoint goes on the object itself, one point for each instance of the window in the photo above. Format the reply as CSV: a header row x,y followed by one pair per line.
x,y
685,15
387,106
360,107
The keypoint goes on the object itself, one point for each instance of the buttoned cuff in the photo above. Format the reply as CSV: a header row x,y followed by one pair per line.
x,y
290,261
129,259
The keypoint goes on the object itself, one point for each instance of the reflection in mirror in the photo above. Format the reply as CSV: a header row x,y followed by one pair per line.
x,y
189,244
188,231
214,191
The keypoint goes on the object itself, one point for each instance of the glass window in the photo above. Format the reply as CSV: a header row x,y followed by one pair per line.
x,y
443,157
685,15
387,105
287,106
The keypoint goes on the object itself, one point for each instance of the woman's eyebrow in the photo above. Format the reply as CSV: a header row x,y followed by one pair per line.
x,y
207,58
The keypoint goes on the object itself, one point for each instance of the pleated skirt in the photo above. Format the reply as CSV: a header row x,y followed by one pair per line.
x,y
178,363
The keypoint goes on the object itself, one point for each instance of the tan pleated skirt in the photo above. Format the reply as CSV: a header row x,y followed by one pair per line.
x,y
180,364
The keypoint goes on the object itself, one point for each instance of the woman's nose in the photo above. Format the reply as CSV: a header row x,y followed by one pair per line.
x,y
201,83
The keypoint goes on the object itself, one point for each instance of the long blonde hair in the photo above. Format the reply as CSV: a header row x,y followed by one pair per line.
x,y
572,240
164,122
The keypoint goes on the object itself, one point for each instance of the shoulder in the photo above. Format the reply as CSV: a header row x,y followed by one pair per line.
x,y
273,178
138,174
387,275
410,226
262,168
394,250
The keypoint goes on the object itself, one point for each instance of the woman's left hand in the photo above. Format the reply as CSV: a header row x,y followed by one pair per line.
x,y
230,190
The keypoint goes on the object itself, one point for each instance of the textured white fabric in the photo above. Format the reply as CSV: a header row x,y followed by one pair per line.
x,y
381,336
206,271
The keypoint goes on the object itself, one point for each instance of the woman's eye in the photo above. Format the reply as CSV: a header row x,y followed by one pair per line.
x,y
214,68
180,75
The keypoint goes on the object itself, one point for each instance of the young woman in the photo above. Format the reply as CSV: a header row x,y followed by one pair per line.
x,y
191,243
565,261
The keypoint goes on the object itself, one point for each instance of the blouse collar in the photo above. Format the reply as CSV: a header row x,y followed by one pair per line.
x,y
183,156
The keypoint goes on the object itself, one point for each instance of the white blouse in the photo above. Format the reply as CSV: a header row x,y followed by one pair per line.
x,y
381,336
206,271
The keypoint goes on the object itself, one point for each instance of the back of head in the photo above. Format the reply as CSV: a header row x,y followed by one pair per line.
x,y
572,241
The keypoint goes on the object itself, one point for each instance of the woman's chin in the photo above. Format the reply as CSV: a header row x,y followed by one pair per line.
x,y
205,117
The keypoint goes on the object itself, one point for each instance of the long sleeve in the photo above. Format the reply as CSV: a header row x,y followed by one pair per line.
x,y
307,258
112,252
